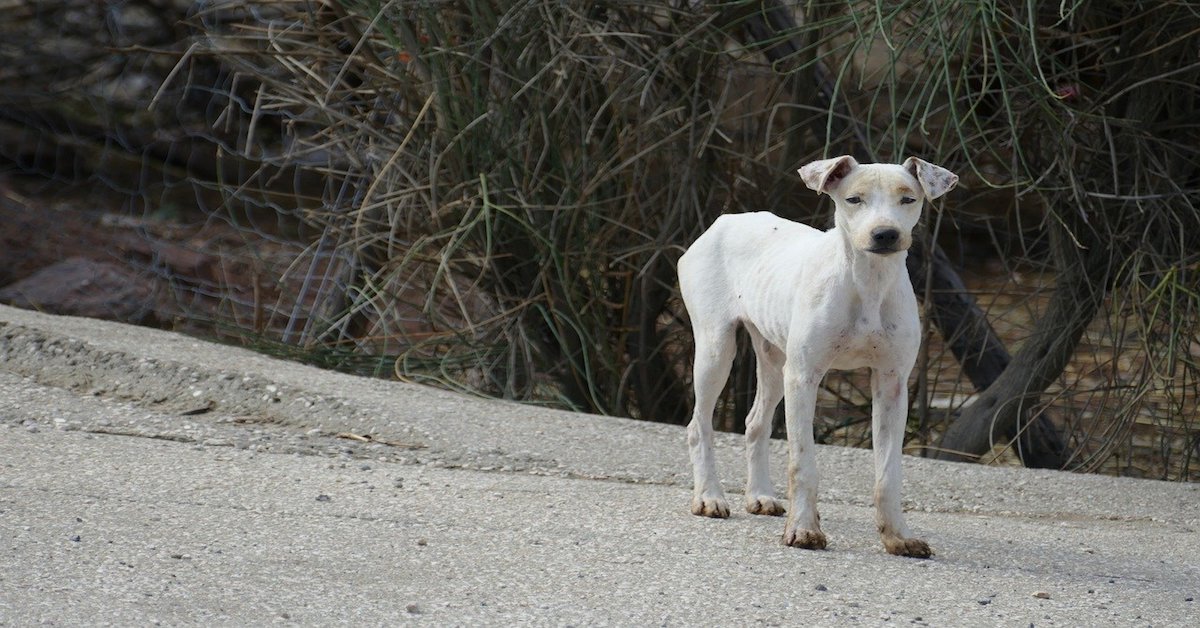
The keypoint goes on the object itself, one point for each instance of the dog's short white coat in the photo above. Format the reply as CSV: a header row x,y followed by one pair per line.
x,y
811,301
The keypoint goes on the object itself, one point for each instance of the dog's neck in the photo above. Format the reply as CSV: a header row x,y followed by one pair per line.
x,y
872,276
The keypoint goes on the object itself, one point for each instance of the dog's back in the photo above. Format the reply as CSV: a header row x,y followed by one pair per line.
x,y
743,254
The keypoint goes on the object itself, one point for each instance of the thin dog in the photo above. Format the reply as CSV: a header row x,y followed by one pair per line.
x,y
811,301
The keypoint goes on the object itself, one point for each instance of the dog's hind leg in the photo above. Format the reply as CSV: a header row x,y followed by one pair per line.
x,y
715,348
760,493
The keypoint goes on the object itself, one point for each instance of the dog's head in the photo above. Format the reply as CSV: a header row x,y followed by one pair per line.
x,y
877,205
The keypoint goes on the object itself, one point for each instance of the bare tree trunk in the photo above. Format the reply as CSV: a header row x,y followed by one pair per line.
x,y
997,413
982,356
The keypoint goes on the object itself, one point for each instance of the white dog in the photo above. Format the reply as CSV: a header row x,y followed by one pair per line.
x,y
811,301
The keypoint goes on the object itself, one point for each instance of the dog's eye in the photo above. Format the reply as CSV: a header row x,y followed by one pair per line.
x,y
854,200
907,200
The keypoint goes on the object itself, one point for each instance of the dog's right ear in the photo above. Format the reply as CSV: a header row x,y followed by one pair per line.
x,y
934,180
825,174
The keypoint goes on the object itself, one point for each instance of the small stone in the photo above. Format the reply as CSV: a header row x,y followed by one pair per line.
x,y
1188,599
422,542
983,601
1041,595
323,497
76,539
413,608
821,587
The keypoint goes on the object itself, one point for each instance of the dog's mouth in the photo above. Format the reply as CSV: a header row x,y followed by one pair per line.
x,y
884,250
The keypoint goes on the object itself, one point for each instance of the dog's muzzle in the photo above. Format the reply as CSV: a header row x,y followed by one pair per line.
x,y
884,240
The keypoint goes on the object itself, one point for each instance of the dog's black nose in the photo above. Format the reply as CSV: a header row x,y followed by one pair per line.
x,y
884,238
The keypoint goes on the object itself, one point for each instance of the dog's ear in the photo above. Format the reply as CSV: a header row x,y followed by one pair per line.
x,y
825,174
934,180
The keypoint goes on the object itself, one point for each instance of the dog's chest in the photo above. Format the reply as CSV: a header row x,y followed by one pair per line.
x,y
864,342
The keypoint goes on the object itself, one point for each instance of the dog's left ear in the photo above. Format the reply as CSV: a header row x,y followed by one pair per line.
x,y
824,175
935,180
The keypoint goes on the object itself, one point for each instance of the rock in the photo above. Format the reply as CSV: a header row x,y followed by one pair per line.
x,y
81,287
179,259
1041,595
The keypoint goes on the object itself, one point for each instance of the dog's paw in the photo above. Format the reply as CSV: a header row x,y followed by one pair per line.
x,y
913,548
764,505
715,507
804,539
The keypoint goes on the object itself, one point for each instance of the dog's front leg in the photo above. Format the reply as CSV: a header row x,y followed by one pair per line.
x,y
803,527
889,409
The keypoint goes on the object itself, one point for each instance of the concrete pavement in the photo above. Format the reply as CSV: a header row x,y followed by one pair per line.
x,y
147,476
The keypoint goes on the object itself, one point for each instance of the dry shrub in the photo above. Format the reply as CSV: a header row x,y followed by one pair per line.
x,y
523,173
